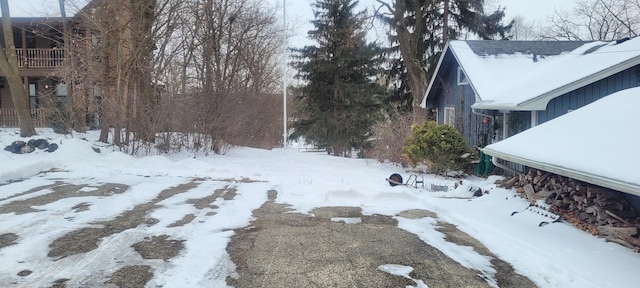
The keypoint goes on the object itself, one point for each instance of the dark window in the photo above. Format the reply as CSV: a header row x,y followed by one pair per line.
x,y
33,98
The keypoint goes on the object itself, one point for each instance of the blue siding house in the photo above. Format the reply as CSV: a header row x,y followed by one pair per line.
x,y
491,90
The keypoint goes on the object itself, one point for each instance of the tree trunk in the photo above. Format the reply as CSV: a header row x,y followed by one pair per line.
x,y
9,65
77,109
409,42
445,22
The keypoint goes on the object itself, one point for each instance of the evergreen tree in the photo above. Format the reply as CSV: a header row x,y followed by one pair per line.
x,y
340,100
421,28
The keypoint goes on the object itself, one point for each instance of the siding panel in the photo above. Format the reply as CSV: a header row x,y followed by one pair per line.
x,y
590,93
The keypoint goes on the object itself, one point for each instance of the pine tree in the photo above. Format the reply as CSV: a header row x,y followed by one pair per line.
x,y
340,100
421,28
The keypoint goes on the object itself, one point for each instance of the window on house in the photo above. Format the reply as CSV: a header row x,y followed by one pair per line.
x,y
61,92
462,78
33,97
95,40
449,115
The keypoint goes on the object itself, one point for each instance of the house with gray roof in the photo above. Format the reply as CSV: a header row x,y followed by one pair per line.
x,y
492,90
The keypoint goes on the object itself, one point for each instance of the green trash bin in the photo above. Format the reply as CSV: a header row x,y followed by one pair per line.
x,y
484,165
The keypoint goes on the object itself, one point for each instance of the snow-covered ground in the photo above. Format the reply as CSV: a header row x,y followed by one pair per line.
x,y
556,255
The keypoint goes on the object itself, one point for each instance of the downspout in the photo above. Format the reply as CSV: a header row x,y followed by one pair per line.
x,y
494,161
474,111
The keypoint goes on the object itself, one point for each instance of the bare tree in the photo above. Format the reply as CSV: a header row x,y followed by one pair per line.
x,y
523,29
232,55
9,65
595,20
205,67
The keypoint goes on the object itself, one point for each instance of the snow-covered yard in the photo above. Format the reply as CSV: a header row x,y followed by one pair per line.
x,y
184,206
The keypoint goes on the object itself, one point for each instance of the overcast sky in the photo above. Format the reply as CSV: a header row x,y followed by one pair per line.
x,y
529,9
41,8
299,12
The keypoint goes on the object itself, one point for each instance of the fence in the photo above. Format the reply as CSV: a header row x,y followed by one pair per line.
x,y
9,118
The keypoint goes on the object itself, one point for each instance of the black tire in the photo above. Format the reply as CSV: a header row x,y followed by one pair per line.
x,y
395,177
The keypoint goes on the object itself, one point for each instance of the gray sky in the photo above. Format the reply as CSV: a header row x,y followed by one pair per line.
x,y
299,13
529,9
40,8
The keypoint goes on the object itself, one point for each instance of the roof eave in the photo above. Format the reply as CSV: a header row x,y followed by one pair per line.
x,y
490,106
541,102
630,188
434,76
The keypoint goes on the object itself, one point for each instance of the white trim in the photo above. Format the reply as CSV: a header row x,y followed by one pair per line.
x,y
505,125
448,47
534,119
462,77
433,77
449,115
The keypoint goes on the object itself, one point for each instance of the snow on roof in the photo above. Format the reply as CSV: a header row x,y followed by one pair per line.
x,y
512,80
597,143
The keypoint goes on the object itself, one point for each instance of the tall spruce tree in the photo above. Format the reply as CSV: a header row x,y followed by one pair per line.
x,y
339,100
421,28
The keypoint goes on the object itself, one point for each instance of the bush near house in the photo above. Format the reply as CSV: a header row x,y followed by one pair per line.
x,y
440,147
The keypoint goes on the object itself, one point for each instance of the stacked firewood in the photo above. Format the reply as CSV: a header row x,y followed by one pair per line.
x,y
600,211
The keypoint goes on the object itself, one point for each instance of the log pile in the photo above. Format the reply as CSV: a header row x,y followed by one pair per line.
x,y
600,211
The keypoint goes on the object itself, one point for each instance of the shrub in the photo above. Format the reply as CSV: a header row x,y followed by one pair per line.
x,y
440,147
389,138
59,118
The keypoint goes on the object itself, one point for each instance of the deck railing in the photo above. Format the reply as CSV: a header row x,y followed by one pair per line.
x,y
9,117
40,57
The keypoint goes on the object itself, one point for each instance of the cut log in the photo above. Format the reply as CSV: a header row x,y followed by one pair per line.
x,y
510,183
621,242
528,190
543,194
610,230
598,210
617,217
591,210
541,178
579,199
629,239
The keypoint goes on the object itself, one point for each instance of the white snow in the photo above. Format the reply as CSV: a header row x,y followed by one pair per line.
x,y
598,139
401,270
509,80
556,255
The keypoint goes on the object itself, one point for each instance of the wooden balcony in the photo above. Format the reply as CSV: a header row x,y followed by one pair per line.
x,y
40,58
9,118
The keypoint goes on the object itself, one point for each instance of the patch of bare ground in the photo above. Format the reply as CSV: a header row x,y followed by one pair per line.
x,y
135,276
60,191
86,239
159,247
155,247
505,275
285,249
207,202
7,239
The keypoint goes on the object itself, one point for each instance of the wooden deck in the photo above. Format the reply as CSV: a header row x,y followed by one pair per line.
x,y
9,118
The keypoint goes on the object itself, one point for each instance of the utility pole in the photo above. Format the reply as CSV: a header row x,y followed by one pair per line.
x,y
284,73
